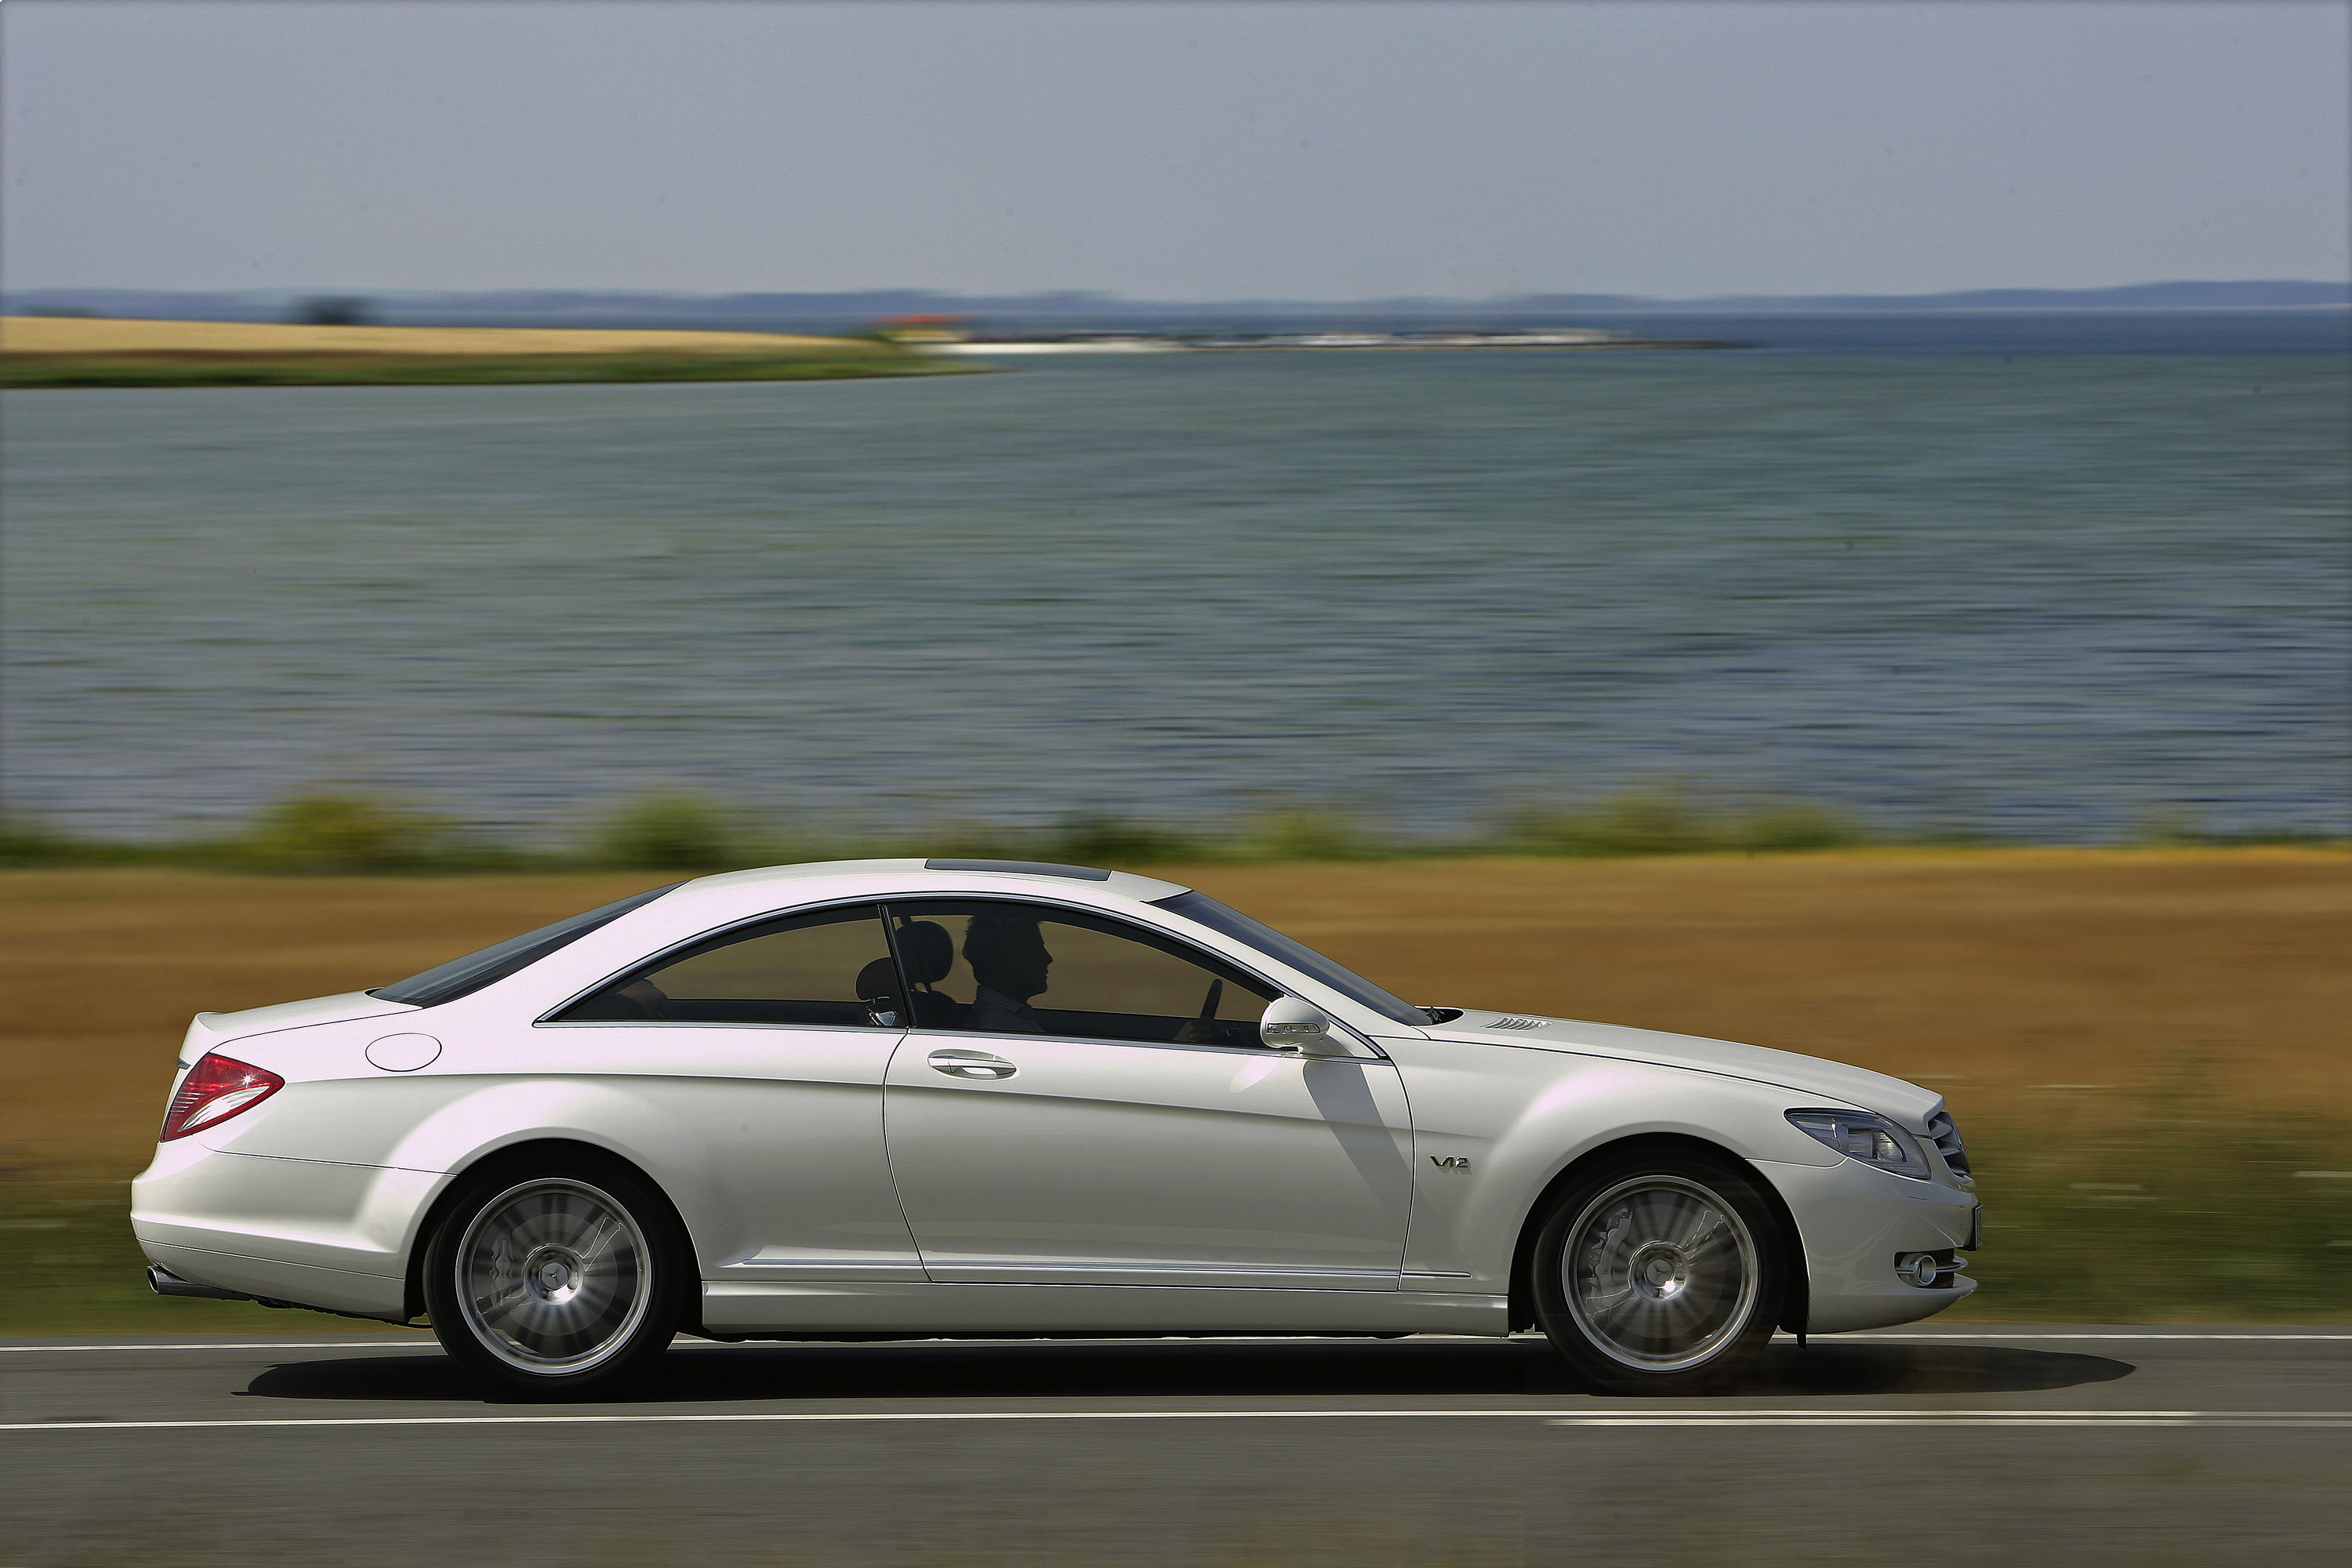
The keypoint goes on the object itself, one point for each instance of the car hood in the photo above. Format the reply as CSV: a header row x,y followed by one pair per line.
x,y
1852,1086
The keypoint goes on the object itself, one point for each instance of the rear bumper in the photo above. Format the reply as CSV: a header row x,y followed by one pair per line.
x,y
307,1232
229,1277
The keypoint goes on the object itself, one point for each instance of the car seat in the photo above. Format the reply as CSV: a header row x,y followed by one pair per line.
x,y
929,952
878,989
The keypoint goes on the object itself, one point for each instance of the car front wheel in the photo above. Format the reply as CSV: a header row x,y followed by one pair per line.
x,y
555,1284
1660,1273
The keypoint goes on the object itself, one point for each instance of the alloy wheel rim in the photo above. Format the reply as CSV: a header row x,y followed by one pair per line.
x,y
554,1276
1660,1273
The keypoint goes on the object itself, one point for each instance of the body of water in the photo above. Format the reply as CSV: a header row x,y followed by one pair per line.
x,y
2035,580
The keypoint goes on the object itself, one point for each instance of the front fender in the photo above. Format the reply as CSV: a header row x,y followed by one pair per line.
x,y
1514,1119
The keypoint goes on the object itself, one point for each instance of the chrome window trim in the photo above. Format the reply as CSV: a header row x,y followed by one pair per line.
x,y
1257,1053
693,1023
880,904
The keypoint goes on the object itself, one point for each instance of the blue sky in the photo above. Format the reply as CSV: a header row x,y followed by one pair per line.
x,y
1195,151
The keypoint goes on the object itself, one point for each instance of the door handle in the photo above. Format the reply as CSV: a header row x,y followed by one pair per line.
x,y
971,1064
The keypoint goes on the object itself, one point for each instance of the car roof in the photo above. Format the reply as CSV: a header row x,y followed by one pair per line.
x,y
918,878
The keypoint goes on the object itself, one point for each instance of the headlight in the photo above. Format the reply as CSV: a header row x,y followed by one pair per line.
x,y
1859,1135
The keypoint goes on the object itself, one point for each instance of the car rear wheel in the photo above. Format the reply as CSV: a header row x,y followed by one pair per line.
x,y
1660,1273
556,1284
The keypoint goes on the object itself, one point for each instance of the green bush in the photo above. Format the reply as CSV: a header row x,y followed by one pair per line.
x,y
350,831
1120,840
1796,825
337,832
671,831
334,311
32,841
2183,826
1668,821
1304,831
847,361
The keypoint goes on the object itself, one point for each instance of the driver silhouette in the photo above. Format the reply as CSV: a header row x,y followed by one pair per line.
x,y
1009,961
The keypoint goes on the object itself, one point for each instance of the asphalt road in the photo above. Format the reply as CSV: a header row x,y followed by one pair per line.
x,y
2119,1446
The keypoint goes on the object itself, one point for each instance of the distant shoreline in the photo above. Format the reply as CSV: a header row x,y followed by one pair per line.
x,y
39,351
1071,309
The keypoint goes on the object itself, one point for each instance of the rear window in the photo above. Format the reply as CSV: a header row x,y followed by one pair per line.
x,y
461,976
1232,922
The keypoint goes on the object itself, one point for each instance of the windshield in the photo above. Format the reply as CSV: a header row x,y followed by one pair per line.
x,y
460,976
1207,912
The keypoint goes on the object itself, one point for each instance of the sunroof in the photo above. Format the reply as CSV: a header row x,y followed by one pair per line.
x,y
1025,868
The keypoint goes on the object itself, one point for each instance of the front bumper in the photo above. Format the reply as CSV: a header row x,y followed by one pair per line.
x,y
1857,1225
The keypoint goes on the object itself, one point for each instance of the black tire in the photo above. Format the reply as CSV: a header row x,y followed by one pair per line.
x,y
1660,1271
564,1280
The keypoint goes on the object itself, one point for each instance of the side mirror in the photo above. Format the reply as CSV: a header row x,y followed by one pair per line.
x,y
1291,1025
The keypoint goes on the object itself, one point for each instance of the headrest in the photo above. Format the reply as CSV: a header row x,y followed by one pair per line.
x,y
928,950
876,981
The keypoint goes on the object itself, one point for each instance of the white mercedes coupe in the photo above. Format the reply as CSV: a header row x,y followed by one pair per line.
x,y
900,1099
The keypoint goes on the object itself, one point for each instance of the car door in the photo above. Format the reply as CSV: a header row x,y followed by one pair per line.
x,y
1082,1100
765,1046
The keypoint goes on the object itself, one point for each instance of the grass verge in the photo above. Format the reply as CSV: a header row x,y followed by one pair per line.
x,y
2181,1209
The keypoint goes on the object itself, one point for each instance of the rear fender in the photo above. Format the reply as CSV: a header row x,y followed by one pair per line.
x,y
537,1155
670,1155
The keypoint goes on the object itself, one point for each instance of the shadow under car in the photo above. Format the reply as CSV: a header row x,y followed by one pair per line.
x,y
696,1373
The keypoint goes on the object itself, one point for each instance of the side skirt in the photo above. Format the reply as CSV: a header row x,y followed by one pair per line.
x,y
927,1308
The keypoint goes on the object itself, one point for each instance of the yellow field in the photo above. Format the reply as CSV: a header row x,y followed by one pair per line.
x,y
2006,978
77,335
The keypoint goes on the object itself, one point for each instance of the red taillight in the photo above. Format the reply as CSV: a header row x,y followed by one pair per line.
x,y
216,1089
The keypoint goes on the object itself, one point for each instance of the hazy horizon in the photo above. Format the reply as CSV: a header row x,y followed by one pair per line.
x,y
2338,292
1178,152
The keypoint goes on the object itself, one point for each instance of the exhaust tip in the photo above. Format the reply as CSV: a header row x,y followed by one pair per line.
x,y
164,1282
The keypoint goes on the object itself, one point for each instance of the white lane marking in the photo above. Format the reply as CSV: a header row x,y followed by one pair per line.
x,y
1968,1338
1555,1417
1860,1339
2311,1423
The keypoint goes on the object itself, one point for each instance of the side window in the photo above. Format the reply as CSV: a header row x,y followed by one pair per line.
x,y
829,966
1033,969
